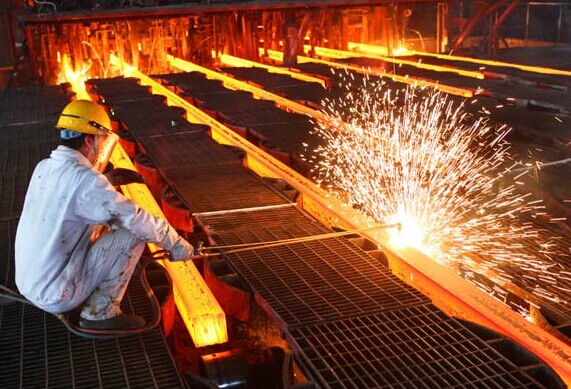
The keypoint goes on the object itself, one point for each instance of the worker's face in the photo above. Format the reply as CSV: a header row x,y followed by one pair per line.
x,y
100,148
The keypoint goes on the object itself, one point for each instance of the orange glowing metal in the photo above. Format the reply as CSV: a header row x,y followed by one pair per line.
x,y
76,78
331,53
201,313
527,68
278,56
241,85
239,62
375,50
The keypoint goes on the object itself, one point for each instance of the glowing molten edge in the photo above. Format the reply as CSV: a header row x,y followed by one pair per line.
x,y
201,313
230,60
379,50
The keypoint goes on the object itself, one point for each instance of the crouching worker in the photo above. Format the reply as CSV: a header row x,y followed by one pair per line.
x,y
78,239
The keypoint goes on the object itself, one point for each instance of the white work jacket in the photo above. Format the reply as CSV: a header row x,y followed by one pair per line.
x,y
67,200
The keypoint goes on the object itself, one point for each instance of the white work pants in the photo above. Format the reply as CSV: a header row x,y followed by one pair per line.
x,y
109,266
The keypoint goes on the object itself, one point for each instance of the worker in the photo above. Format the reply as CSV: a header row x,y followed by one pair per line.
x,y
78,239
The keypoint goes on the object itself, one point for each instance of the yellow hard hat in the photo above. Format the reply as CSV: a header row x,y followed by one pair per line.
x,y
86,117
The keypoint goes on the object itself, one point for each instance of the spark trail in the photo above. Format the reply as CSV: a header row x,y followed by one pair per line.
x,y
414,156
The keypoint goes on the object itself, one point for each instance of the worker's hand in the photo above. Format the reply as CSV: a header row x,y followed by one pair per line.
x,y
182,250
122,176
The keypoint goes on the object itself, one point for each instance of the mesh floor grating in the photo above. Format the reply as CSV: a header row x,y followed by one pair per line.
x,y
314,281
152,118
13,188
36,349
417,347
42,132
49,98
193,149
23,157
221,188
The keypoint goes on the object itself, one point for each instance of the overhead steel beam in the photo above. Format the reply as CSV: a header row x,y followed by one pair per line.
x,y
484,10
498,23
200,8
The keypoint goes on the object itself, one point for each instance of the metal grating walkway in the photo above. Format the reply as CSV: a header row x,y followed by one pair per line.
x,y
332,290
221,188
318,280
416,347
188,149
36,350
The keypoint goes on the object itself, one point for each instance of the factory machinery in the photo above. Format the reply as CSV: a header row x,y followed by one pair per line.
x,y
337,310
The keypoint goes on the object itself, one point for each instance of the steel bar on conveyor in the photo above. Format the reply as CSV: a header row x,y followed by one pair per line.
x,y
333,53
201,313
365,48
447,290
230,60
233,83
278,56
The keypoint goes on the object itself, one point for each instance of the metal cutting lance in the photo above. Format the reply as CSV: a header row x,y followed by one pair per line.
x,y
237,248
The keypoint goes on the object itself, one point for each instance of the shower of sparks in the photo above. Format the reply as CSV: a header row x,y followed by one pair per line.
x,y
414,156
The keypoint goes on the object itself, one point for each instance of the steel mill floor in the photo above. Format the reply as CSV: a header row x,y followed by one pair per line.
x,y
347,319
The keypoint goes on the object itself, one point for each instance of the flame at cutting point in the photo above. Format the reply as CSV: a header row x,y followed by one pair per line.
x,y
413,156
409,234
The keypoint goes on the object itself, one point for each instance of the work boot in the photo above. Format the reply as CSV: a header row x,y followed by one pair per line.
x,y
120,322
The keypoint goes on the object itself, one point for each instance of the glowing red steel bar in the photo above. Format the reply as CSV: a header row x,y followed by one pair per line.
x,y
201,313
240,62
278,56
331,53
364,48
232,83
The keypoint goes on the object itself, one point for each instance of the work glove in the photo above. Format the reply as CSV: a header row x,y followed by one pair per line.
x,y
182,250
122,176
